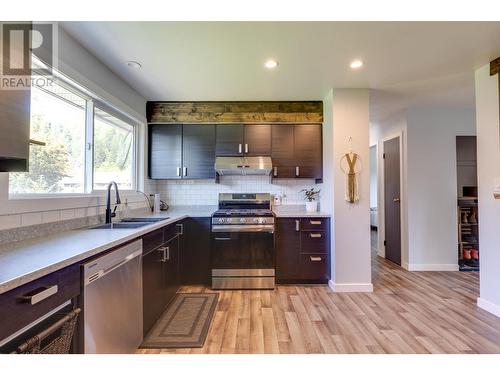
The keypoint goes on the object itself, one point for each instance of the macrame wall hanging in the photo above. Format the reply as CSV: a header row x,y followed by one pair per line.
x,y
351,165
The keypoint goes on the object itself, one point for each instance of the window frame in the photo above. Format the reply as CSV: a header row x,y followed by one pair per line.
x,y
92,101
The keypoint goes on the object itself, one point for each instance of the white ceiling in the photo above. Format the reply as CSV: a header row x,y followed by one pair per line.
x,y
406,63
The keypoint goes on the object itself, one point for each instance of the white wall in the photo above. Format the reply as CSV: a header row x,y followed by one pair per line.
x,y
488,167
351,251
78,64
429,183
432,185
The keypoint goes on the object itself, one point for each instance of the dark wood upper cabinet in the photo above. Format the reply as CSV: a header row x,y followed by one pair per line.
x,y
257,140
165,151
198,151
308,149
181,151
229,140
189,151
282,151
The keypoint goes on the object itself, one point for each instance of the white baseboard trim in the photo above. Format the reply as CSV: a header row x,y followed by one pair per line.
x,y
343,288
381,253
489,306
431,267
405,266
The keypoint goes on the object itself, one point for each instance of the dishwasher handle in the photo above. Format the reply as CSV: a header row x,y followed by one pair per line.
x,y
103,272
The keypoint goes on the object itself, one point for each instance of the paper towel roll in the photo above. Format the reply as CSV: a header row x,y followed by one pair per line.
x,y
157,203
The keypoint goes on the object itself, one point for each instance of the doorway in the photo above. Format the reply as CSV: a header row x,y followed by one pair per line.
x,y
392,198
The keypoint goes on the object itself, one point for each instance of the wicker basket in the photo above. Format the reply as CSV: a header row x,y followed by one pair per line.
x,y
56,339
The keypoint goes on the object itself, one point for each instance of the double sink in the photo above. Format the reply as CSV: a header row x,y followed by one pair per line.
x,y
130,223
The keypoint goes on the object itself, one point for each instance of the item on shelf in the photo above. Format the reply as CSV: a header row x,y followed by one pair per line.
x,y
469,191
474,253
473,218
464,217
467,254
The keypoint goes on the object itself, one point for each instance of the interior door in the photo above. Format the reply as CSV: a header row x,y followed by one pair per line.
x,y
392,200
198,151
257,140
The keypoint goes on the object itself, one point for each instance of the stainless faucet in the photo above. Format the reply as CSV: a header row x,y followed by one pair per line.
x,y
110,214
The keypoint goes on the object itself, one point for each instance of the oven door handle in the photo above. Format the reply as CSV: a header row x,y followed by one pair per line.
x,y
222,238
243,228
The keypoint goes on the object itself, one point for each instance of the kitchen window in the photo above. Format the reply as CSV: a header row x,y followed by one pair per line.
x,y
113,151
81,144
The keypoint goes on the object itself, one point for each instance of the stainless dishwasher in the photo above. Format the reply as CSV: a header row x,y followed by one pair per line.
x,y
112,301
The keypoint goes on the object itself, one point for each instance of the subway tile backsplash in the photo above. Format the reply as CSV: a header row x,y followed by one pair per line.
x,y
206,192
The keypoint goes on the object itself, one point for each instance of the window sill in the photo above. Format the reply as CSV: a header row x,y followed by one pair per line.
x,y
94,194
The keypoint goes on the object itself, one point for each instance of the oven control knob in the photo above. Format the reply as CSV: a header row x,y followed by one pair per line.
x,y
262,220
221,220
242,220
255,220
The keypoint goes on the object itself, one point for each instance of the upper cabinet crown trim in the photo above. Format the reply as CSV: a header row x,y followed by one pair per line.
x,y
235,112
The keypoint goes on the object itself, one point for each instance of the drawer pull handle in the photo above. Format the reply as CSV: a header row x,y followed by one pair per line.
x,y
166,253
297,225
41,295
315,222
315,259
315,235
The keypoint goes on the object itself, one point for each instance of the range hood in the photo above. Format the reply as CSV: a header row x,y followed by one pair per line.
x,y
243,166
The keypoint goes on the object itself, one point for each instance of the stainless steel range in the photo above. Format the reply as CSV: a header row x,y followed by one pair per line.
x,y
242,251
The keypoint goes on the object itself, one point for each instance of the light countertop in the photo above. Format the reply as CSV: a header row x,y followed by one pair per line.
x,y
25,261
296,211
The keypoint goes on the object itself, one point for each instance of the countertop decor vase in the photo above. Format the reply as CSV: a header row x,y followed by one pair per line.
x,y
312,206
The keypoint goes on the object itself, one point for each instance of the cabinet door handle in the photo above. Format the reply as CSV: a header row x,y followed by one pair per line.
x,y
164,257
315,235
246,148
275,171
185,171
168,253
180,229
315,222
179,172
239,148
297,225
297,171
315,259
40,295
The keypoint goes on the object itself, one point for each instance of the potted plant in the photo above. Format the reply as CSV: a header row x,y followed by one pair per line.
x,y
310,196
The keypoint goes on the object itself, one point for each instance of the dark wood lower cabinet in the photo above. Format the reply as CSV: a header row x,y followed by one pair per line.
x,y
302,250
16,310
195,251
160,272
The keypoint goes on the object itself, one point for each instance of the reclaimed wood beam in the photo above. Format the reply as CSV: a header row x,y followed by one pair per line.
x,y
235,112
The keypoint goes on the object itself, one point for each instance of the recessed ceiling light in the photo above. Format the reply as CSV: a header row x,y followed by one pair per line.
x,y
356,64
134,65
271,64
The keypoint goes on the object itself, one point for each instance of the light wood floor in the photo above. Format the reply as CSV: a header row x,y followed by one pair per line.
x,y
408,312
